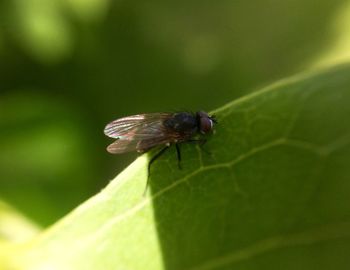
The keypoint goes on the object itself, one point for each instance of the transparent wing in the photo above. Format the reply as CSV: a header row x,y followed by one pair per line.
x,y
123,146
138,127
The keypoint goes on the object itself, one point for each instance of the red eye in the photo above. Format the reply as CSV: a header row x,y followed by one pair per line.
x,y
206,125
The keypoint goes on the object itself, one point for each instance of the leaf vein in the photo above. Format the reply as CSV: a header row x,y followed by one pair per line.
x,y
310,237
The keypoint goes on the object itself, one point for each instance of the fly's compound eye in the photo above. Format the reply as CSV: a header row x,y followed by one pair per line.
x,y
206,125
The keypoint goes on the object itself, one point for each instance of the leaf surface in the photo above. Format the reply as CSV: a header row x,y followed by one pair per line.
x,y
273,194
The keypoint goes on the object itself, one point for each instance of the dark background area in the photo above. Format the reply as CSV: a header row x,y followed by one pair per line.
x,y
67,68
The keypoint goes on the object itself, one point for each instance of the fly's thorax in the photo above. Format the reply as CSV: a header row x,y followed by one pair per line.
x,y
183,123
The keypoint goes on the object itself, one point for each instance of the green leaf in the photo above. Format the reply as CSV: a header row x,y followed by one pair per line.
x,y
273,194
14,227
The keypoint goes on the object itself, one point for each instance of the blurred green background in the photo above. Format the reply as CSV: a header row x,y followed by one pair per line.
x,y
67,67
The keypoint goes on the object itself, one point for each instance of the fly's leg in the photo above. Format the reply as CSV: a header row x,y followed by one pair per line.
x,y
153,159
178,155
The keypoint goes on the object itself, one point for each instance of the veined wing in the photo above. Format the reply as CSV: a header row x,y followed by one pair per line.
x,y
138,127
123,146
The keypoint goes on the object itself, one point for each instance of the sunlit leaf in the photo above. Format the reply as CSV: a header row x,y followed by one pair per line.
x,y
273,194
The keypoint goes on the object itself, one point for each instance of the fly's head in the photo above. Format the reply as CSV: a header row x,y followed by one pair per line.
x,y
205,122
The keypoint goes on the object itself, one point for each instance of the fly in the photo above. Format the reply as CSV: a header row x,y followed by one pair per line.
x,y
143,132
